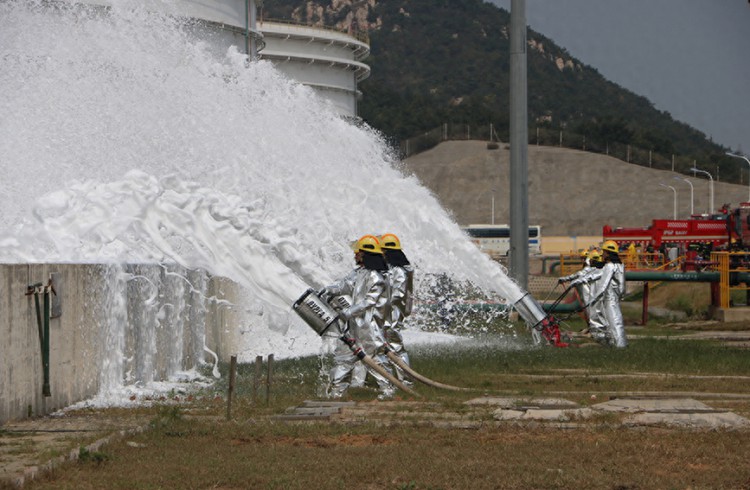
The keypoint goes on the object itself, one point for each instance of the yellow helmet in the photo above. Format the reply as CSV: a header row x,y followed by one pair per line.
x,y
611,246
584,254
368,243
390,241
595,256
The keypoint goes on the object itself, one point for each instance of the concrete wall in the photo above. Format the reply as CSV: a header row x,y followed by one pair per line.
x,y
111,326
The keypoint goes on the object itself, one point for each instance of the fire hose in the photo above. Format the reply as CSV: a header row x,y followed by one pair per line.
x,y
423,379
371,363
561,297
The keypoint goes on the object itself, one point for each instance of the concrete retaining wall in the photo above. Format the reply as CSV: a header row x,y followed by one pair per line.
x,y
110,325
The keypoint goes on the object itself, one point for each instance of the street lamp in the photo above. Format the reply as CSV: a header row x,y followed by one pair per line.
x,y
744,158
493,206
710,189
691,193
674,207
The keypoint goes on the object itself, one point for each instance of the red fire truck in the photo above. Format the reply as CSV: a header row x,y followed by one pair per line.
x,y
719,231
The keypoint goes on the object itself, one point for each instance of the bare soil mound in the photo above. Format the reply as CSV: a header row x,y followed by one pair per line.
x,y
571,192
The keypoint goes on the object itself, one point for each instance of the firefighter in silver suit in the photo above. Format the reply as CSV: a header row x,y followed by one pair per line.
x,y
365,318
609,288
597,320
401,278
344,362
583,288
594,315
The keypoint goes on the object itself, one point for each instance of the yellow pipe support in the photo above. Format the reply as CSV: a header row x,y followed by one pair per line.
x,y
722,260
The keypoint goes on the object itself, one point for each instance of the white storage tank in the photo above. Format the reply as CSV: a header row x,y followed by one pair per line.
x,y
230,22
327,60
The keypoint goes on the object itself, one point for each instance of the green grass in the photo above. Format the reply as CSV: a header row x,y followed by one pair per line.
x,y
660,364
493,363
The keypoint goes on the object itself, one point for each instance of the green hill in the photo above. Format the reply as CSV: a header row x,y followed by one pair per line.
x,y
438,61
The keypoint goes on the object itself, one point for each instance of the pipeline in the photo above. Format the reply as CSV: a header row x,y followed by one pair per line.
x,y
661,276
545,259
42,320
554,266
735,277
320,316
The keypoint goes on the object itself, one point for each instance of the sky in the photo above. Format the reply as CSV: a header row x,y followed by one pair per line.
x,y
690,58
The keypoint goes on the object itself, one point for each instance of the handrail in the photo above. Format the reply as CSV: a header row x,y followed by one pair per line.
x,y
362,36
361,70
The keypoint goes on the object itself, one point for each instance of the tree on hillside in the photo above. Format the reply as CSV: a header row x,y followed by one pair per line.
x,y
447,61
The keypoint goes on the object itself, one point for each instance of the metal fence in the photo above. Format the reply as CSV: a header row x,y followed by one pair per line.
x,y
547,137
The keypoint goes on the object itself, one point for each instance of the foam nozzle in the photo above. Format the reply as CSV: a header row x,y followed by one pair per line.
x,y
530,310
315,312
543,326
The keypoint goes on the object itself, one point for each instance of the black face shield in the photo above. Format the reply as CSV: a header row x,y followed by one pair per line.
x,y
373,261
395,258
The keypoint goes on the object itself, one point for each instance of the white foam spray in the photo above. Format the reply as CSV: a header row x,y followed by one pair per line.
x,y
124,137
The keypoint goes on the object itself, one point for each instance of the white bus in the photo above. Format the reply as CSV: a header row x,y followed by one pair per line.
x,y
494,240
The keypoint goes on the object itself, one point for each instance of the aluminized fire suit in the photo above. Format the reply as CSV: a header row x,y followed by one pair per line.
x,y
594,310
365,318
608,289
401,280
344,360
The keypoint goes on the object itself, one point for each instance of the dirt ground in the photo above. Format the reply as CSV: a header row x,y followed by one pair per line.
x,y
31,447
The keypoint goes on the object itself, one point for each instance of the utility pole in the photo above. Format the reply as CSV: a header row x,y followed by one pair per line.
x,y
674,205
692,207
519,138
710,188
